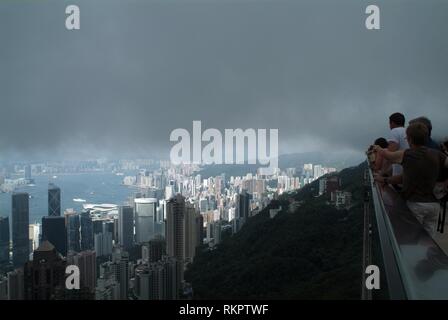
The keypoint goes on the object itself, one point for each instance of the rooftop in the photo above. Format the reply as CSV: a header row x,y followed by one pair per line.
x,y
45,246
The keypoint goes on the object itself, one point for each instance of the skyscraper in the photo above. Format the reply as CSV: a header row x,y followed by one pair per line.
x,y
158,280
86,231
98,225
191,232
142,282
27,173
107,289
172,276
34,235
243,205
73,232
53,230
86,262
160,220
54,200
145,216
103,243
120,268
20,228
242,210
115,225
154,250
175,227
126,227
103,232
217,232
44,277
4,239
308,170
16,285
169,192
3,288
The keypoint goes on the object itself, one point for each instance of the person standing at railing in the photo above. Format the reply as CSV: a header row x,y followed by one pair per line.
x,y
380,165
430,143
444,146
397,139
441,190
422,167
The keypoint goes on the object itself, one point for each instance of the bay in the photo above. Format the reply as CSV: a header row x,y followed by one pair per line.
x,y
93,187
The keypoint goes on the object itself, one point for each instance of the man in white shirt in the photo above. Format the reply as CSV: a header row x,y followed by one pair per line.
x,y
397,139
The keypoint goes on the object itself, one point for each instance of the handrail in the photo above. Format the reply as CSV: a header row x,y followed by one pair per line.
x,y
416,267
388,246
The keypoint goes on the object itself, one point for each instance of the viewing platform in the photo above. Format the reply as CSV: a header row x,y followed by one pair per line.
x,y
416,264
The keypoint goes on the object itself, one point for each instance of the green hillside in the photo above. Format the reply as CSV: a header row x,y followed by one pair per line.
x,y
313,252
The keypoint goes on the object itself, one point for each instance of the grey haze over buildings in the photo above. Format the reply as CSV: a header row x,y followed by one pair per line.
x,y
139,69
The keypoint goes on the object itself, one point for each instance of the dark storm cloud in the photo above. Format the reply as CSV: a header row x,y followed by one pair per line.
x,y
139,69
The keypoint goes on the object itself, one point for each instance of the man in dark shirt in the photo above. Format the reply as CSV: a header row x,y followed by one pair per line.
x,y
430,143
421,170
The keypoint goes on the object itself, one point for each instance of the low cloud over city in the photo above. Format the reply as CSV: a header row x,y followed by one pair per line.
x,y
137,70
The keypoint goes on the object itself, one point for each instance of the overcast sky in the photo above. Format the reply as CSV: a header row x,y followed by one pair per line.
x,y
139,69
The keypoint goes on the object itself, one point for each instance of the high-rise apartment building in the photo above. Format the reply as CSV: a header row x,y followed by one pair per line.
x,y
192,227
175,228
158,280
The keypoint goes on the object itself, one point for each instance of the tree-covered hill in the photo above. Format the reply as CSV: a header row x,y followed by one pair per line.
x,y
313,252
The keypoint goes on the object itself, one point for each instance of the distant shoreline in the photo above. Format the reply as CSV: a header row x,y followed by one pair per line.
x,y
72,173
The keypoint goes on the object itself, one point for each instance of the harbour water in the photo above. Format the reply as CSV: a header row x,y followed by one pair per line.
x,y
92,187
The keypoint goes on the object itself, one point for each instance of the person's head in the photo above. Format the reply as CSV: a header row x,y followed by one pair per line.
x,y
382,143
425,121
444,146
396,120
417,134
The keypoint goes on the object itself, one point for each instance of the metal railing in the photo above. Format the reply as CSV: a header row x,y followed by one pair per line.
x,y
415,266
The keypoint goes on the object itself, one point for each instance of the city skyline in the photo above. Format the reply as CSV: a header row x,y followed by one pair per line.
x,y
171,214
223,150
